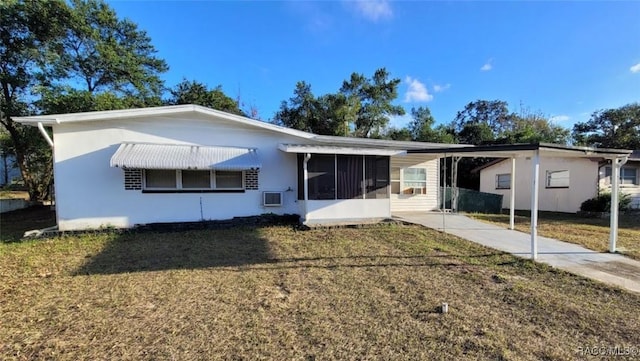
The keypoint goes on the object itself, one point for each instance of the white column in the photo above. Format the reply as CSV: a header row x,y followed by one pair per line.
x,y
305,182
512,200
535,180
616,164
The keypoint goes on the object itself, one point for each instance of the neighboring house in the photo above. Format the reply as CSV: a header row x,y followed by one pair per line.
x,y
564,182
189,163
629,178
9,171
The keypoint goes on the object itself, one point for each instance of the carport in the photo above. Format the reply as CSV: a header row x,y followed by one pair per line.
x,y
617,157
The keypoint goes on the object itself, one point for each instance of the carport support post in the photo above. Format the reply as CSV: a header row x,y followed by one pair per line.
x,y
534,204
305,173
616,164
512,200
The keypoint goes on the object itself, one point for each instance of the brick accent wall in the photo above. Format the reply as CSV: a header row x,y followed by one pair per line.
x,y
132,179
251,179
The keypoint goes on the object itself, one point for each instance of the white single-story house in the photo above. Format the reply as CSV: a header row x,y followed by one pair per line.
x,y
629,178
564,182
190,163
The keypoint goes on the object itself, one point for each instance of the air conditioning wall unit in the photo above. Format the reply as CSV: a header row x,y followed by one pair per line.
x,y
416,190
272,199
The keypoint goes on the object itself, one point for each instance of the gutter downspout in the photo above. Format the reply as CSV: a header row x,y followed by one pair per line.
x,y
305,179
45,134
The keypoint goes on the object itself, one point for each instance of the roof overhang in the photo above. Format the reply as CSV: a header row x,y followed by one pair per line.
x,y
524,150
171,156
328,149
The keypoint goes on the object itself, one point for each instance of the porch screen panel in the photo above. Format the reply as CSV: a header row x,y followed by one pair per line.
x,y
322,177
377,177
350,176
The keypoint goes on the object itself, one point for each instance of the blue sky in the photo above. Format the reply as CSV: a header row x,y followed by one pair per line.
x,y
564,59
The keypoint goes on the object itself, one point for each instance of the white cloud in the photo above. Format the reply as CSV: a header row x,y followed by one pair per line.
x,y
440,88
417,91
635,68
559,118
488,65
373,10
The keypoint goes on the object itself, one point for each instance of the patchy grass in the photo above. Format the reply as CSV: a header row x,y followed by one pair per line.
x,y
276,293
13,224
592,233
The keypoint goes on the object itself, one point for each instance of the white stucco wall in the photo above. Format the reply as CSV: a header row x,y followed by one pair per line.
x,y
319,211
91,194
417,202
583,184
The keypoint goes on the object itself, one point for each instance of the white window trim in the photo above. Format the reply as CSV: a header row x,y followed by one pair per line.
x,y
179,187
403,182
498,182
547,179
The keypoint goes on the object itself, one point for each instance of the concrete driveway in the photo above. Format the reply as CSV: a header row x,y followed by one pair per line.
x,y
609,268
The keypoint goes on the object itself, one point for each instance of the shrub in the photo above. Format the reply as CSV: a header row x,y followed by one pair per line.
x,y
602,203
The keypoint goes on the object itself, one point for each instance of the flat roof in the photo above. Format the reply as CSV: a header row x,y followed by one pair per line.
x,y
525,149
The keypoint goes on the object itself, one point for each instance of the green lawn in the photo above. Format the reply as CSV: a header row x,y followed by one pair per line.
x,y
592,233
277,293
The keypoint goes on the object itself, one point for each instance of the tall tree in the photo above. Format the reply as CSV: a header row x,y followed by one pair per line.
x,y
611,128
362,107
422,127
376,96
27,45
194,92
80,43
108,53
482,118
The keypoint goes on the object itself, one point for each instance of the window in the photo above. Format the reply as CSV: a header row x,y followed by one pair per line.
x,y
228,180
196,179
322,177
376,177
344,177
160,178
395,180
558,179
415,181
164,179
628,175
503,181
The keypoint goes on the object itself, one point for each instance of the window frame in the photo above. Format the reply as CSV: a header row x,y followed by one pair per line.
x,y
623,177
498,181
548,179
404,187
367,188
179,188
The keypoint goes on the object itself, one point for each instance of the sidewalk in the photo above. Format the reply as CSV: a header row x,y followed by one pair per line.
x,y
609,268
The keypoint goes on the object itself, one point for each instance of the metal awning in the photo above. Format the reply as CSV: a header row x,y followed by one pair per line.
x,y
174,156
329,149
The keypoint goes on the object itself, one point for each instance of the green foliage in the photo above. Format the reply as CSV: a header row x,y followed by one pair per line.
x,y
361,108
375,96
611,128
47,45
194,92
602,203
107,53
422,128
491,122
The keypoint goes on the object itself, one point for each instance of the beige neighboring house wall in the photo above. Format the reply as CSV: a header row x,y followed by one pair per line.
x,y
629,183
576,181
